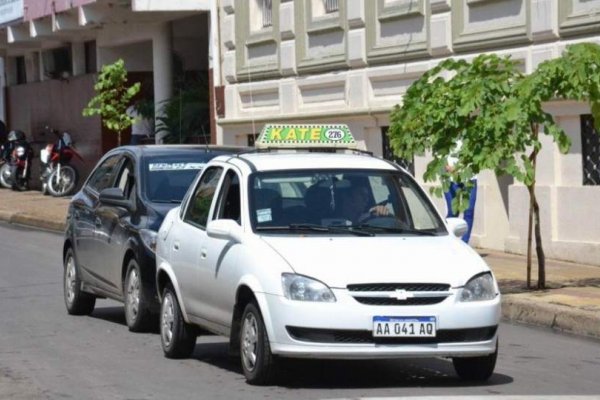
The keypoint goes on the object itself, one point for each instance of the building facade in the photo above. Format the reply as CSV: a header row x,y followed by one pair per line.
x,y
52,51
350,61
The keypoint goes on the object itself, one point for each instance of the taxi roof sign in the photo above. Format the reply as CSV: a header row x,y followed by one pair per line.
x,y
286,135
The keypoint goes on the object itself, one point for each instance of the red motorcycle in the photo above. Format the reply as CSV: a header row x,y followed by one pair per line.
x,y
16,158
58,176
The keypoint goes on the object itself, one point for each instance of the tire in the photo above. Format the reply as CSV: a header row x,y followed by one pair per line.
x,y
476,368
5,176
177,337
76,301
137,300
66,183
258,363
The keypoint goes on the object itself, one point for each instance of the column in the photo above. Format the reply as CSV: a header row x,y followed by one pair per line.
x,y
162,59
78,58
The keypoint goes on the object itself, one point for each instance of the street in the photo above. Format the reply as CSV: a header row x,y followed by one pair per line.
x,y
47,354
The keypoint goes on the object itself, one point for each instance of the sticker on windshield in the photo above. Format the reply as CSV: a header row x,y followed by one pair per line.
x,y
264,215
175,166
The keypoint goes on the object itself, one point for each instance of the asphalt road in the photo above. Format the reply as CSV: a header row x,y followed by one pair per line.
x,y
47,354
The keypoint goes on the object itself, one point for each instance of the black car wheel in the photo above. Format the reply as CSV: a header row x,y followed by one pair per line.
x,y
76,301
258,363
177,337
476,368
137,299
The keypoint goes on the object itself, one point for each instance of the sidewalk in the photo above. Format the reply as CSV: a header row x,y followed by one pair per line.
x,y
571,303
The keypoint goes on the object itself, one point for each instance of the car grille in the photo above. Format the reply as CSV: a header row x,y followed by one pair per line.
x,y
382,301
387,294
366,337
390,287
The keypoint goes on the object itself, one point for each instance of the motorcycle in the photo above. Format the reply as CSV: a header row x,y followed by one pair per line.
x,y
58,177
17,155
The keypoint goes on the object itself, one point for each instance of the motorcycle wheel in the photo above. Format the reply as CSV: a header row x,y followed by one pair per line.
x,y
66,181
5,176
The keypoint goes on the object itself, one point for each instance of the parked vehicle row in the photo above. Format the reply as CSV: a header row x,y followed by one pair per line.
x,y
290,252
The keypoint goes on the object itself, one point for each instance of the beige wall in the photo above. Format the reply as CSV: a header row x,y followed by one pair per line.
x,y
353,66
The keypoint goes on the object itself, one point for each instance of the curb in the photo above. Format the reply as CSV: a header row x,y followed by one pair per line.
x,y
32,221
555,316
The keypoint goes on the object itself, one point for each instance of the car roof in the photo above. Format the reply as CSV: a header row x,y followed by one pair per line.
x,y
274,161
169,149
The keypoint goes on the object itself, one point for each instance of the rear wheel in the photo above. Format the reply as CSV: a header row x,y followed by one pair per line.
x,y
62,184
177,337
137,312
257,361
476,368
76,301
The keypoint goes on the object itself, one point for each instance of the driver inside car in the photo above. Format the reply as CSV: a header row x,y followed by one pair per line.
x,y
355,206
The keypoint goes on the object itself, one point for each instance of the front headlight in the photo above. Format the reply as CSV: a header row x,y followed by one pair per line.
x,y
20,151
298,287
149,239
481,287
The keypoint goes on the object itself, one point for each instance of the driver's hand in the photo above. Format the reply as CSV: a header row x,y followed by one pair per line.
x,y
380,211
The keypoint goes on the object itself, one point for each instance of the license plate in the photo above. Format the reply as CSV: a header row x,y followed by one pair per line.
x,y
404,326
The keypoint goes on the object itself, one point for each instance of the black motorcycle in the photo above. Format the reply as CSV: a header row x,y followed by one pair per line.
x,y
16,154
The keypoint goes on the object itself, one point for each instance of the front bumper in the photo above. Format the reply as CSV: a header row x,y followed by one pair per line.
x,y
457,326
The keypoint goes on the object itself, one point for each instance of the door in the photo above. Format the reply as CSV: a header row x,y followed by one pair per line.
x,y
113,230
85,219
188,237
218,269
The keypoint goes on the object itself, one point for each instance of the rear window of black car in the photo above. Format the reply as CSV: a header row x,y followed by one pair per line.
x,y
167,178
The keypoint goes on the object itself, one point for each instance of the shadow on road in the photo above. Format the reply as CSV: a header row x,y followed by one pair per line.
x,y
115,315
351,374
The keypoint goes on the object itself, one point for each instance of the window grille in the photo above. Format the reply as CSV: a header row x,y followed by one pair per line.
x,y
590,151
267,13
331,6
388,153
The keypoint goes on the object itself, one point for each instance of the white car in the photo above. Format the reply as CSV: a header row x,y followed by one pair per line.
x,y
321,254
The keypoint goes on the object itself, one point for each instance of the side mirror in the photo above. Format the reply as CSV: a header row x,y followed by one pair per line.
x,y
114,197
457,226
226,229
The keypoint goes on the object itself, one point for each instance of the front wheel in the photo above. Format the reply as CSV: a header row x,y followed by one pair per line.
x,y
137,312
258,363
76,301
476,368
177,337
62,184
5,176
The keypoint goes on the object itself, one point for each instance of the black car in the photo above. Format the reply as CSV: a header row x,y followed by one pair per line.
x,y
112,223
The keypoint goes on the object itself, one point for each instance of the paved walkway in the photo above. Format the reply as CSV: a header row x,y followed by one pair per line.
x,y
571,304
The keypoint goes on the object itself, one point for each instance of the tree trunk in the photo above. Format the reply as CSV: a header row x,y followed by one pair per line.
x,y
529,235
118,138
538,247
534,210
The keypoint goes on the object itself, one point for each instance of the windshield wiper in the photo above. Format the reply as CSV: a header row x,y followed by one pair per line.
x,y
173,201
317,228
397,230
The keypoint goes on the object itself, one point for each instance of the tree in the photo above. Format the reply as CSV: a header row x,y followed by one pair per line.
x,y
497,113
113,97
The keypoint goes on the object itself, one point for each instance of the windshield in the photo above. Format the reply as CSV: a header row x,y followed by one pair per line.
x,y
361,202
167,178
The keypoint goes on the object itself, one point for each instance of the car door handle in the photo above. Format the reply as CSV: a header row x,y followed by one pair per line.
x,y
176,246
203,253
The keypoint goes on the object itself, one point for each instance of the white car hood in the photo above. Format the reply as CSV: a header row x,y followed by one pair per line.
x,y
341,260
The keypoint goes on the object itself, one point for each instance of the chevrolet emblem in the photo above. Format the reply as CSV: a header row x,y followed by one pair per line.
x,y
401,294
